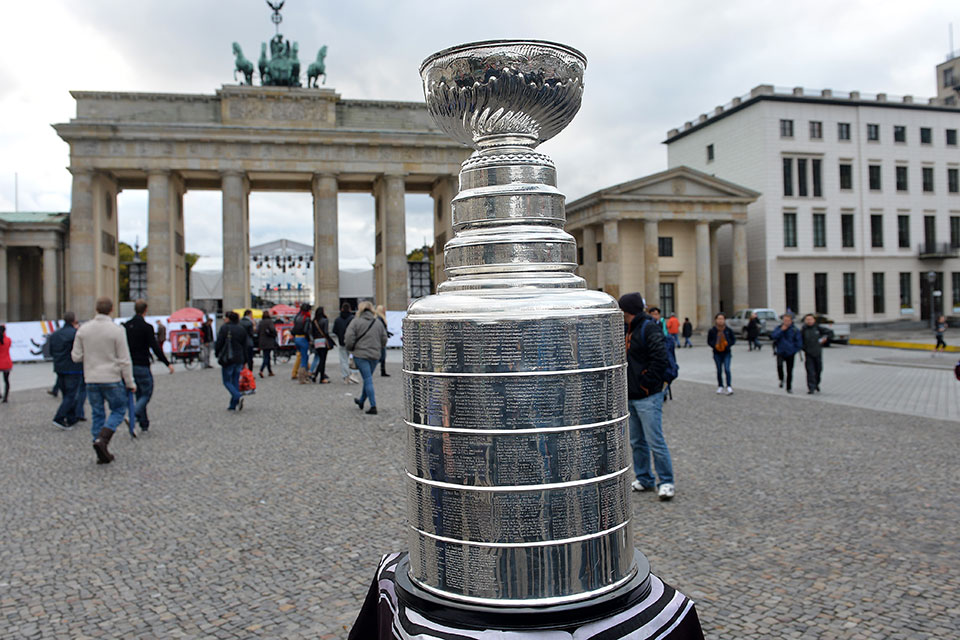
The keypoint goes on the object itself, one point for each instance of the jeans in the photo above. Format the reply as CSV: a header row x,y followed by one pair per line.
x,y
788,361
814,366
81,398
366,368
69,385
686,342
320,363
144,380
646,437
231,380
303,346
205,349
267,360
115,395
722,360
344,362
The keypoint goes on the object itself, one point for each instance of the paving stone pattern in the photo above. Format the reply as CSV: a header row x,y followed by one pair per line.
x,y
792,519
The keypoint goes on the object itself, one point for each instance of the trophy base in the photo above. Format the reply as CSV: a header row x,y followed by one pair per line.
x,y
471,616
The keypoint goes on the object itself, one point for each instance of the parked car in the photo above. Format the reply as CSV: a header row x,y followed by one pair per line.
x,y
768,321
839,332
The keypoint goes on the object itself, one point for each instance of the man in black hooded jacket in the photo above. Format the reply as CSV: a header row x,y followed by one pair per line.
x,y
142,340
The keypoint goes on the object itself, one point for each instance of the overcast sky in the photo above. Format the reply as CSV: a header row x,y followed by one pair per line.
x,y
652,65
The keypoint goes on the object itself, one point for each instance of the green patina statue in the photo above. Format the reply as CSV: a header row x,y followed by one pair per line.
x,y
282,68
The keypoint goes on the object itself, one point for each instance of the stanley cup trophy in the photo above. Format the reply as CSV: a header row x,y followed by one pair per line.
x,y
517,457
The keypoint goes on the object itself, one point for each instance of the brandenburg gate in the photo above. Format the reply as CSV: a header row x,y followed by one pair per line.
x,y
241,139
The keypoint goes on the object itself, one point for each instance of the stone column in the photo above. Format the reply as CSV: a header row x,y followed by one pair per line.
x,y
703,274
326,260
160,255
611,257
179,251
714,273
50,306
236,241
588,271
391,239
84,246
444,189
4,310
651,263
740,270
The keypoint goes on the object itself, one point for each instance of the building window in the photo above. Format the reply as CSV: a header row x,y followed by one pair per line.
x,y
846,229
948,80
843,131
876,230
955,236
926,135
906,293
786,128
899,133
791,291
789,230
668,299
902,182
816,130
580,256
819,229
955,277
820,292
802,177
599,252
665,247
873,171
930,232
788,176
878,298
846,176
953,183
903,232
815,165
873,132
927,173
709,153
849,293
951,137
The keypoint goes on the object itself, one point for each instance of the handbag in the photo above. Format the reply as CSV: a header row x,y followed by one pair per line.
x,y
226,355
320,343
353,362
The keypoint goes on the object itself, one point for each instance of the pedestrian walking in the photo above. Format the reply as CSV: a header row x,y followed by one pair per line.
x,y
813,337
687,333
721,338
142,340
941,328
230,350
340,329
102,347
646,372
6,362
654,312
247,323
365,338
267,336
381,313
206,342
753,333
69,373
673,328
321,346
161,333
302,325
787,342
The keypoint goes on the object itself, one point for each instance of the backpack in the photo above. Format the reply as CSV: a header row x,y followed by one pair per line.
x,y
670,345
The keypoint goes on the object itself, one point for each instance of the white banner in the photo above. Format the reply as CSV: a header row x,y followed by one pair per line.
x,y
395,326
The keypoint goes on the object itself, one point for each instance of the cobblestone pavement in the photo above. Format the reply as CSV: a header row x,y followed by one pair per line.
x,y
852,376
792,518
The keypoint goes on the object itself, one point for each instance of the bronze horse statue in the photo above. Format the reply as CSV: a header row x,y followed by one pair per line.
x,y
317,69
243,65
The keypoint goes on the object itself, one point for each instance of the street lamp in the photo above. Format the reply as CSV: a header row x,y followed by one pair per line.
x,y
931,282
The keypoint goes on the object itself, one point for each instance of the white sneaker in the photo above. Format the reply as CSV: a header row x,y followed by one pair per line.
x,y
729,391
666,491
639,487
719,389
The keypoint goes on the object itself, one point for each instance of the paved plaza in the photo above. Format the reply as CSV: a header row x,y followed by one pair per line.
x,y
795,517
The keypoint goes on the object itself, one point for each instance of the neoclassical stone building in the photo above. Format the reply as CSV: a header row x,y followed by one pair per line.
x,y
240,140
32,258
658,235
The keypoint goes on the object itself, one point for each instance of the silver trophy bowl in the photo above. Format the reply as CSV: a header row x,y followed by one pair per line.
x,y
517,457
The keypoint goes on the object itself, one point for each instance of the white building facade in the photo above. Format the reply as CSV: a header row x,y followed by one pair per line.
x,y
860,200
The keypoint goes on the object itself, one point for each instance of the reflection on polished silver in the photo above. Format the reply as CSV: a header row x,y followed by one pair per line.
x,y
514,375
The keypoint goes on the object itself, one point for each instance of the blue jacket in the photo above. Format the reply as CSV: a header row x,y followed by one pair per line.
x,y
786,342
61,343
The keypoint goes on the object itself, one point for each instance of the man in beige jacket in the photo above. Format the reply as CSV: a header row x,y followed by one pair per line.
x,y
101,346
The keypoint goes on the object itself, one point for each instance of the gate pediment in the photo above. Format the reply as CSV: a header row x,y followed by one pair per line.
x,y
279,107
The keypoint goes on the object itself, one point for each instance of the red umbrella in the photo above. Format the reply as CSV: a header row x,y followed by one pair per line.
x,y
283,310
187,314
